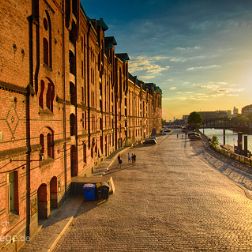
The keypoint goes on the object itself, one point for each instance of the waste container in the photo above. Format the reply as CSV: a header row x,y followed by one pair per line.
x,y
103,191
89,192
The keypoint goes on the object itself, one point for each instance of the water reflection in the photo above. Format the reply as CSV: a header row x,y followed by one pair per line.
x,y
231,136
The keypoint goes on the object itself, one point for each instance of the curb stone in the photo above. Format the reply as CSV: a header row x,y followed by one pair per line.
x,y
52,247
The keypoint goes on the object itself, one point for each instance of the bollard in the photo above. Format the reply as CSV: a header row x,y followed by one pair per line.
x,y
239,142
245,139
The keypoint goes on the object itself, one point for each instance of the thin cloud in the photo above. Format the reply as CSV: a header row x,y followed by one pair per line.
x,y
186,83
148,66
146,77
214,86
206,91
202,67
173,88
187,48
220,88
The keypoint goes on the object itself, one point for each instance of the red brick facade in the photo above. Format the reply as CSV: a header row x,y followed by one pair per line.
x,y
67,102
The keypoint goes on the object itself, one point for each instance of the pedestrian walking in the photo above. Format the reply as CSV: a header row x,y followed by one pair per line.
x,y
129,158
134,157
177,135
119,160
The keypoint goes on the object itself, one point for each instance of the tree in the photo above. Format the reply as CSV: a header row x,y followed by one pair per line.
x,y
249,116
240,121
194,120
163,121
214,141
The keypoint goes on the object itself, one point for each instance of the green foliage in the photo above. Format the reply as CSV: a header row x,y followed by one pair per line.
x,y
241,120
250,117
194,120
215,141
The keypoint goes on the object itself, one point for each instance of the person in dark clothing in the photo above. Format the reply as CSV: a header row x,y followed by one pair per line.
x,y
133,158
129,158
119,160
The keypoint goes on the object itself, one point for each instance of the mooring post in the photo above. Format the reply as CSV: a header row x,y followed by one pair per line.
x,y
245,139
224,136
239,142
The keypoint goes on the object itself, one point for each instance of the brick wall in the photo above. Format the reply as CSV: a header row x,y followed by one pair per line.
x,y
108,110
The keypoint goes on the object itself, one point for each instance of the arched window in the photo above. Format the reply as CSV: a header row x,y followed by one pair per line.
x,y
75,7
72,125
47,40
46,140
41,95
50,96
84,153
46,51
42,143
120,82
73,33
72,93
50,145
67,11
72,63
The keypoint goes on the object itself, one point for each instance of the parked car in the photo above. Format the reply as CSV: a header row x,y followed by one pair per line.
x,y
150,141
166,131
194,135
184,129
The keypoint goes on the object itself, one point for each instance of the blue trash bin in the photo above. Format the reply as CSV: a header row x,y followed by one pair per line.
x,y
89,192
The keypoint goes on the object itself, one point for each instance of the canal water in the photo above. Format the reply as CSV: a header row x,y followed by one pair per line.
x,y
231,136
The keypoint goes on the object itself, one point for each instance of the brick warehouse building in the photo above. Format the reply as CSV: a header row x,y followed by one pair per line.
x,y
67,102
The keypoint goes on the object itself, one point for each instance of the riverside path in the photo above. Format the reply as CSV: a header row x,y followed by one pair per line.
x,y
171,199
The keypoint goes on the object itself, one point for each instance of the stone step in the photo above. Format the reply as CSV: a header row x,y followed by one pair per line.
x,y
101,173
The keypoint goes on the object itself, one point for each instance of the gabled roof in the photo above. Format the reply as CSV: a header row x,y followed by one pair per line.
x,y
153,87
150,86
135,80
131,77
103,25
110,42
123,56
99,22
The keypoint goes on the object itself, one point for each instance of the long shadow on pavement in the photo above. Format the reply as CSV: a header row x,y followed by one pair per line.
x,y
69,208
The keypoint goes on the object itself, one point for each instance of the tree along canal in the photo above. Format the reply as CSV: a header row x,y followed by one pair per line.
x,y
231,136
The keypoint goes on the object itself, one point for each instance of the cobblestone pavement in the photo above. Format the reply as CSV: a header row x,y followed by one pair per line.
x,y
51,228
170,200
238,172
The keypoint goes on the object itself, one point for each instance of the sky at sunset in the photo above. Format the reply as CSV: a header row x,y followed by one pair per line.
x,y
199,52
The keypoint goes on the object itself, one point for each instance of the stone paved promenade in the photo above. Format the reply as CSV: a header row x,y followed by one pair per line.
x,y
175,198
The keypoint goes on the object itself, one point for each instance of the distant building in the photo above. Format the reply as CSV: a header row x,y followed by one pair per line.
x,y
211,115
246,110
185,118
235,111
219,114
